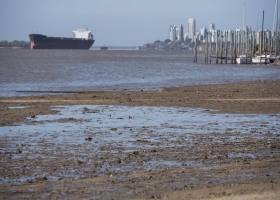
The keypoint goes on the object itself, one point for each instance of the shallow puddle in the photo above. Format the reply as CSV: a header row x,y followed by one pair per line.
x,y
91,140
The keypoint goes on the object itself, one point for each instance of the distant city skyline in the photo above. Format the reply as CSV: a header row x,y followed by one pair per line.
x,y
126,22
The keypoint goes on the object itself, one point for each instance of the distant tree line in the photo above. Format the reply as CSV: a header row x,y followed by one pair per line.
x,y
15,43
169,45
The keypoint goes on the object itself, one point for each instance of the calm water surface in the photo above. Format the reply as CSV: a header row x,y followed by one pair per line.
x,y
72,70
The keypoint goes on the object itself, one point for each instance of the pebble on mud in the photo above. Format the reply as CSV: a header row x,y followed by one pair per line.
x,y
88,139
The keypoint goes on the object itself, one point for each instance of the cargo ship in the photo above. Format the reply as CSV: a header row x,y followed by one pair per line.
x,y
82,39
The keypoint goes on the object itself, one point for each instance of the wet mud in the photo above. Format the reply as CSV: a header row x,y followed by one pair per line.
x,y
120,149
83,150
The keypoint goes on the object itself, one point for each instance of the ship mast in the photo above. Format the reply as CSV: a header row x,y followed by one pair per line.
x,y
244,10
274,28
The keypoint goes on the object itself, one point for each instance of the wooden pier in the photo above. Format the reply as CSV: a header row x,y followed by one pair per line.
x,y
230,45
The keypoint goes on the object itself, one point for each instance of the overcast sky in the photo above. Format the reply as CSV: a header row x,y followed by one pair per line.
x,y
126,22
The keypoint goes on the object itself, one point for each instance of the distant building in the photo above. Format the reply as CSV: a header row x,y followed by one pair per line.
x,y
214,34
200,37
230,39
191,28
248,29
238,30
203,32
212,27
172,33
180,33
186,36
177,33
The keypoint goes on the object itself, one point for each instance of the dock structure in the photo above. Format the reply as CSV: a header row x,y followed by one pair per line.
x,y
230,45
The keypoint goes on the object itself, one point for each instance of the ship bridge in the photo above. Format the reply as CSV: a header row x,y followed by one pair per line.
x,y
82,33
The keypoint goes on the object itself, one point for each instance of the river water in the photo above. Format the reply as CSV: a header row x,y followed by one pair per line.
x,y
79,70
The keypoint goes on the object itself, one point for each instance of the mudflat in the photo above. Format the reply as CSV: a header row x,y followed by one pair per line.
x,y
246,167
254,97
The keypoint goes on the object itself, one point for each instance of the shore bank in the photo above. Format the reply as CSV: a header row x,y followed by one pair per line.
x,y
253,97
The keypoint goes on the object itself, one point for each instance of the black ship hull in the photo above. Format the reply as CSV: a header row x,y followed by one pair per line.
x,y
38,41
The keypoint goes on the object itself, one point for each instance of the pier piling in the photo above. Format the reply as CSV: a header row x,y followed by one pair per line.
x,y
229,45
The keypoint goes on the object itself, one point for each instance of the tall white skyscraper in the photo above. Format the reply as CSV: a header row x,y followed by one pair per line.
x,y
180,33
172,33
191,28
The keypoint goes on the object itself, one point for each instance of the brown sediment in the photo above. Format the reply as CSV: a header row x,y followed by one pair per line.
x,y
255,97
244,168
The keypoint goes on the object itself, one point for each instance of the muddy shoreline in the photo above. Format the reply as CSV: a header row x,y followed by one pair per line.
x,y
236,163
255,97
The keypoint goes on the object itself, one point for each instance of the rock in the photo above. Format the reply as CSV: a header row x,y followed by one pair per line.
x,y
135,153
29,181
80,162
18,151
88,139
85,109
